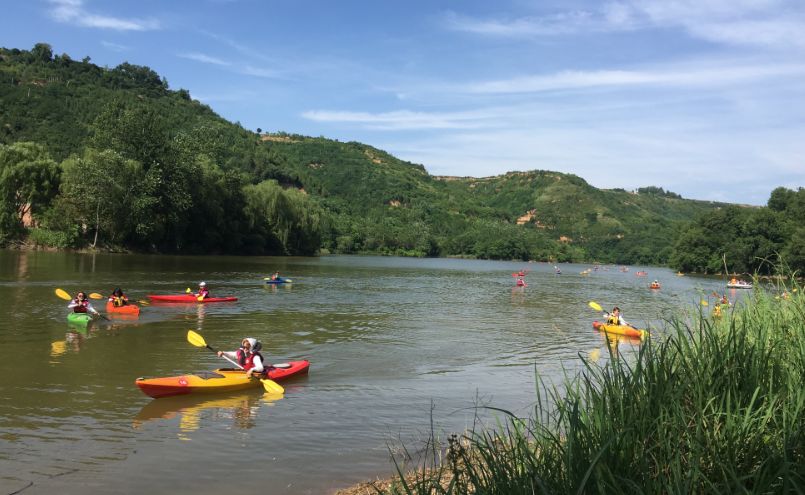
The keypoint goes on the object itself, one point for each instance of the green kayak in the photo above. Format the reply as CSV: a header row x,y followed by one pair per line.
x,y
79,318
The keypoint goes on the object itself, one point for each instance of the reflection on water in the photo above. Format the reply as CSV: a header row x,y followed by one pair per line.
x,y
393,343
239,411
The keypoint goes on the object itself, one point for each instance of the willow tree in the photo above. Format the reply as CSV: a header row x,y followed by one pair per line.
x,y
101,187
286,221
29,179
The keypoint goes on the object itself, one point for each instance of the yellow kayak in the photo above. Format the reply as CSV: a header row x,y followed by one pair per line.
x,y
620,330
220,380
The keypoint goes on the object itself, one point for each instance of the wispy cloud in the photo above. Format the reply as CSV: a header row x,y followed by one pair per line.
x,y
770,23
203,58
115,47
674,76
563,23
73,12
406,119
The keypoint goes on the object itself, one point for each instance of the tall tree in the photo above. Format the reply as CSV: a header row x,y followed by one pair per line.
x,y
29,179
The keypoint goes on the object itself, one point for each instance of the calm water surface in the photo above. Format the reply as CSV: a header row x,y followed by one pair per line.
x,y
393,343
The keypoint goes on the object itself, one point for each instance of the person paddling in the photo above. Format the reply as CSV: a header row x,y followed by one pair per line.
x,y
82,305
615,318
248,356
202,293
118,298
275,276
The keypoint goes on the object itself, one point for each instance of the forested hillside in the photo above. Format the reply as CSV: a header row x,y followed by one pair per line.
x,y
115,159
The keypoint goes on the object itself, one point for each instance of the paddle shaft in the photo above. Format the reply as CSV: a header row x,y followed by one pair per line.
x,y
224,356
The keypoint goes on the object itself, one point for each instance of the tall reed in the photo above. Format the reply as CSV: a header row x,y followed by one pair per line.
x,y
709,405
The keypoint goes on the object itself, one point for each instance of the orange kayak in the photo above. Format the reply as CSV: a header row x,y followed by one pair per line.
x,y
620,330
220,380
127,309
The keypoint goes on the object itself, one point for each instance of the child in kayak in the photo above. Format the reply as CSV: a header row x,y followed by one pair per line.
x,y
248,356
81,304
275,276
202,293
615,317
118,298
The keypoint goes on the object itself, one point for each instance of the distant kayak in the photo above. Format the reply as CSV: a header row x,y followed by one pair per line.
x,y
620,330
220,380
739,285
654,286
126,309
189,298
278,281
80,319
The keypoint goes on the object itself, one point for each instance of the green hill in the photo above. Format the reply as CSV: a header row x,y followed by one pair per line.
x,y
187,180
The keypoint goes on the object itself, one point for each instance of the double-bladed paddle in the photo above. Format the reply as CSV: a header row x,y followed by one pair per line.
x,y
268,384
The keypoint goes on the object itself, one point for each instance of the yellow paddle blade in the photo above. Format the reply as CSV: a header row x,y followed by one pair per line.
x,y
95,295
595,354
705,303
63,294
595,306
187,291
196,339
200,298
272,387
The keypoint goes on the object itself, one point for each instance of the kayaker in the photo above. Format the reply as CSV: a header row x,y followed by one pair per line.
x,y
275,276
202,293
248,356
118,298
615,318
81,304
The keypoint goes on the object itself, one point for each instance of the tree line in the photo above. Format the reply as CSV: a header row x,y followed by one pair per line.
x,y
111,158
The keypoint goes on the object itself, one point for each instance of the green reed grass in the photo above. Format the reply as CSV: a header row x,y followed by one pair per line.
x,y
709,405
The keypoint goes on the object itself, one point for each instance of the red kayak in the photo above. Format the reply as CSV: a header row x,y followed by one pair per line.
x,y
220,380
126,309
189,298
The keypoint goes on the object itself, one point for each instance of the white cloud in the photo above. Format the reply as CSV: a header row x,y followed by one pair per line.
x,y
251,70
115,47
673,76
767,23
72,12
203,58
406,119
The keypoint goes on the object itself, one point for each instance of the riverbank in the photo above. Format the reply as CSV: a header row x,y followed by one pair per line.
x,y
718,407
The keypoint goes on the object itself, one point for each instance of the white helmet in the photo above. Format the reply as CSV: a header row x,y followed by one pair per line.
x,y
202,284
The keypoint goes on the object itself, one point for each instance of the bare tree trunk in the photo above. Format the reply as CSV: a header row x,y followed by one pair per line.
x,y
97,224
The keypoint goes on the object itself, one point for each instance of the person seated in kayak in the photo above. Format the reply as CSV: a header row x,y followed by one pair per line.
x,y
81,304
248,356
202,293
118,298
275,276
615,318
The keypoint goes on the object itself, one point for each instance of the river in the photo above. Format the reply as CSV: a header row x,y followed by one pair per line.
x,y
395,345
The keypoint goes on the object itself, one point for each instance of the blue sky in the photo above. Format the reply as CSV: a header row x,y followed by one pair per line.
x,y
705,98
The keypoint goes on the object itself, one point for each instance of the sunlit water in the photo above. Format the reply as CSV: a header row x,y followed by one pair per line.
x,y
395,345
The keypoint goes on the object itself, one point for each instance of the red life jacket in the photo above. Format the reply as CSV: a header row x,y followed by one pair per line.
x,y
82,306
247,359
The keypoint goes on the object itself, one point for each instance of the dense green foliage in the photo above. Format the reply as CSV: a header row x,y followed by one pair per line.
x,y
746,240
141,167
121,161
710,405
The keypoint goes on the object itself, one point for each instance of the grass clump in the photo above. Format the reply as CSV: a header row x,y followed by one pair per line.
x,y
716,406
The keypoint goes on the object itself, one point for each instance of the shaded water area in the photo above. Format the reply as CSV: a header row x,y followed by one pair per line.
x,y
394,345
